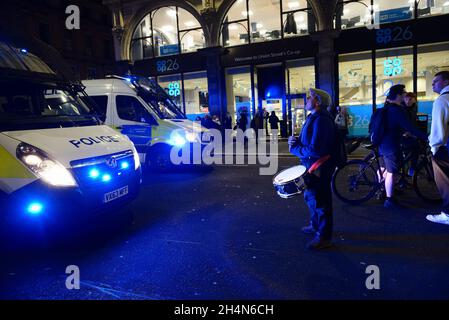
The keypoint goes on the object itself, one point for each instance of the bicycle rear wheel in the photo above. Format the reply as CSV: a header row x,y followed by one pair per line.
x,y
424,184
355,183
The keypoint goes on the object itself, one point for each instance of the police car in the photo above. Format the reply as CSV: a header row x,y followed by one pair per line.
x,y
57,161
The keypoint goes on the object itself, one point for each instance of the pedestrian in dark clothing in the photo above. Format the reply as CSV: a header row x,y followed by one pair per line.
x,y
274,121
259,120
411,107
397,124
266,117
243,121
228,122
316,141
410,144
257,124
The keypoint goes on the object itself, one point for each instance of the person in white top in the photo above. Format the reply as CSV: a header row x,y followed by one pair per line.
x,y
438,141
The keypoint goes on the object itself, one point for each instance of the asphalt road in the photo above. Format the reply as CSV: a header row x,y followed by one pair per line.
x,y
223,233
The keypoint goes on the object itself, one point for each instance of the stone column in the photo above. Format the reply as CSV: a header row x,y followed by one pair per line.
x,y
209,15
323,11
215,80
326,62
117,29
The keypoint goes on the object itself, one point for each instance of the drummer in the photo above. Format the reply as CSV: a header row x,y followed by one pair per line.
x,y
315,142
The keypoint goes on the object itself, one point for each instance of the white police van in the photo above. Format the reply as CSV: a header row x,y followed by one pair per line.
x,y
139,108
57,161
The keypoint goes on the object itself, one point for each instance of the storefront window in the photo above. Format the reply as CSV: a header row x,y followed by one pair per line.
x,y
263,20
191,41
431,60
234,34
186,20
296,23
142,49
239,93
355,87
291,5
196,93
166,31
393,66
387,11
238,11
142,44
354,14
432,7
173,86
265,24
301,75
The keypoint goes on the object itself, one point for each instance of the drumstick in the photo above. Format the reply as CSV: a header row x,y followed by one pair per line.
x,y
293,123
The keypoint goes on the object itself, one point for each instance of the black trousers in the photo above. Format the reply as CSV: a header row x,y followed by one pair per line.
x,y
411,145
440,164
318,197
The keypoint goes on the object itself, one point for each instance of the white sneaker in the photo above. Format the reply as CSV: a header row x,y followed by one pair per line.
x,y
442,218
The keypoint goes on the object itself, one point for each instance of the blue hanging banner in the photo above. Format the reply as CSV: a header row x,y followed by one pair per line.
x,y
169,49
392,15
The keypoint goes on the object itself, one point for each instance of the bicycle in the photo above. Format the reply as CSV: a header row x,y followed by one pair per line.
x,y
361,180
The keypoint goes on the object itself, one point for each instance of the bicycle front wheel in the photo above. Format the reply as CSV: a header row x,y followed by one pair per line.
x,y
355,183
424,184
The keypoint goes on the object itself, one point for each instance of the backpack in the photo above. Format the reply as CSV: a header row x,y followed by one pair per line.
x,y
377,126
339,153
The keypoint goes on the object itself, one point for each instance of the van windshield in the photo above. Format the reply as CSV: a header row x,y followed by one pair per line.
x,y
158,100
25,106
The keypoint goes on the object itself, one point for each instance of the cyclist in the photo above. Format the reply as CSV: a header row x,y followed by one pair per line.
x,y
396,125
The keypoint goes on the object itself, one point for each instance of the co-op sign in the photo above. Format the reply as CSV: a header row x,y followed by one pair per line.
x,y
265,56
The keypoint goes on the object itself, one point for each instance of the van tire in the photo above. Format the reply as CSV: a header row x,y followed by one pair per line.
x,y
158,157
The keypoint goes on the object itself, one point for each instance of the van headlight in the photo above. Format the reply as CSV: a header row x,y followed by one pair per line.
x,y
136,159
191,137
49,170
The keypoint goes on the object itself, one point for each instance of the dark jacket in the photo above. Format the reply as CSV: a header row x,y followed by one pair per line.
x,y
274,122
243,122
228,122
412,114
317,138
397,123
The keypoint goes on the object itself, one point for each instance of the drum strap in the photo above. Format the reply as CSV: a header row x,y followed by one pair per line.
x,y
318,164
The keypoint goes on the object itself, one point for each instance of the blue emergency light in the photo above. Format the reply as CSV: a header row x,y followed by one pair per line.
x,y
35,208
124,165
94,173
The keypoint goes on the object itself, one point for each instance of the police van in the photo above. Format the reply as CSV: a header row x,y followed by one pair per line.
x,y
139,108
57,161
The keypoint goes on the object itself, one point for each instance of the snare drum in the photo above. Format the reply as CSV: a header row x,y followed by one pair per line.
x,y
290,182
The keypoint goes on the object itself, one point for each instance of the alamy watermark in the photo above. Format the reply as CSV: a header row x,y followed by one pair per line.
x,y
73,280
73,21
373,280
228,147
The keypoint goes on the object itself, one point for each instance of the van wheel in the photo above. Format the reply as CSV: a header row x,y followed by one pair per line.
x,y
158,157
